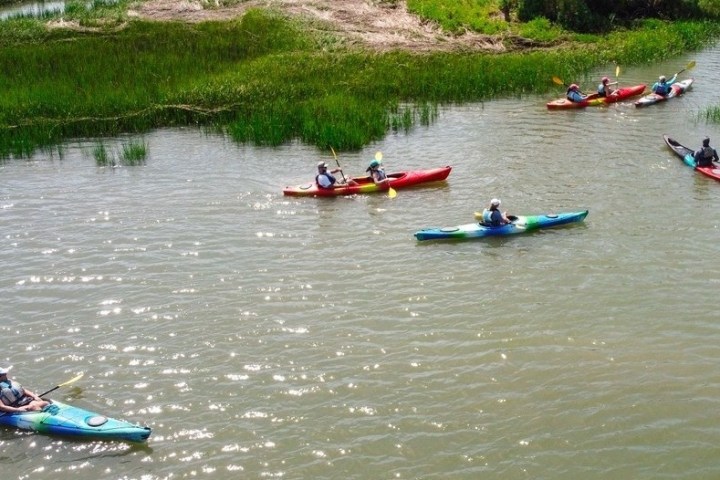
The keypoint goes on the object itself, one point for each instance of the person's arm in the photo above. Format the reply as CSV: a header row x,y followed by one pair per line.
x,y
32,395
672,80
9,409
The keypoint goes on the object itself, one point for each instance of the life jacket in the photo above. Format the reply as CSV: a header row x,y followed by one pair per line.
x,y
601,91
704,157
488,220
330,177
661,88
708,153
381,175
574,96
12,394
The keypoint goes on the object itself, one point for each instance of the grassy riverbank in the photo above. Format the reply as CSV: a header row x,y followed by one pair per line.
x,y
265,79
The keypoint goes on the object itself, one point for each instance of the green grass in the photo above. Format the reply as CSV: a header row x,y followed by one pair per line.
x,y
455,16
264,80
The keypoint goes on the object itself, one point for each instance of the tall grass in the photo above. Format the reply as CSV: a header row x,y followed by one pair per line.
x,y
456,16
263,80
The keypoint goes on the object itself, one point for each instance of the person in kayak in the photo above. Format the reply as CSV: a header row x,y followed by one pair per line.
x,y
706,155
492,216
377,173
604,89
662,86
574,94
14,398
325,179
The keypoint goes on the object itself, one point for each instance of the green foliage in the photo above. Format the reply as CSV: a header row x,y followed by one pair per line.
x,y
456,16
541,29
134,153
101,155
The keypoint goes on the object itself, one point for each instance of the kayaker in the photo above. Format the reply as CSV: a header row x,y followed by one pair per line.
x,y
706,155
324,178
15,398
574,94
662,86
377,172
604,89
492,216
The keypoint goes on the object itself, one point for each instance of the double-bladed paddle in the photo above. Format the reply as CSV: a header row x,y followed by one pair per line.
x,y
687,67
338,164
64,384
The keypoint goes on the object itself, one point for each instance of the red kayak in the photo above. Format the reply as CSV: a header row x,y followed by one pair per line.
x,y
594,100
366,185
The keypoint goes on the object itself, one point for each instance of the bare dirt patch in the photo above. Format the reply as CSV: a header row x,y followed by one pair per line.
x,y
379,26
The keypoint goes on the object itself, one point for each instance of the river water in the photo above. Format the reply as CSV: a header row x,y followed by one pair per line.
x,y
264,336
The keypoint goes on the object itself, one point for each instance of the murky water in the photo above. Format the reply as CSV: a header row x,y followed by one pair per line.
x,y
264,336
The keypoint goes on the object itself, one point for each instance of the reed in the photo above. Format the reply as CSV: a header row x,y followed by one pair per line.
x,y
134,153
101,155
263,80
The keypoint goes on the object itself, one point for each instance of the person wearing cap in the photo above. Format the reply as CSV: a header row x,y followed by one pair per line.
x,y
377,173
14,398
492,216
574,94
706,155
324,178
604,89
662,86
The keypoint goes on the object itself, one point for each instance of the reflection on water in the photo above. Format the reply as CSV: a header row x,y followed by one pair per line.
x,y
286,337
31,9
42,9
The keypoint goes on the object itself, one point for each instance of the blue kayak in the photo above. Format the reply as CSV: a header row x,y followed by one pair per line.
x,y
68,421
519,224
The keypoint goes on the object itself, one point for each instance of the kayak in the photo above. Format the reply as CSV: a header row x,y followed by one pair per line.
x,y
594,100
686,155
519,224
676,89
366,185
65,420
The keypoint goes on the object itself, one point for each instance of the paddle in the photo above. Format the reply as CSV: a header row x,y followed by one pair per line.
x,y
391,191
338,164
72,380
689,66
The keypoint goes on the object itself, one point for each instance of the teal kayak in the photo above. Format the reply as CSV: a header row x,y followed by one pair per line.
x,y
519,224
68,421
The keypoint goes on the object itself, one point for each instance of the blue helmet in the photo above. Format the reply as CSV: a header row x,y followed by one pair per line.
x,y
374,164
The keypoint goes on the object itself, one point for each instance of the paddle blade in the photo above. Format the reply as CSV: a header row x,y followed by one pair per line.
x,y
690,65
392,193
558,81
378,156
333,152
617,71
72,380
